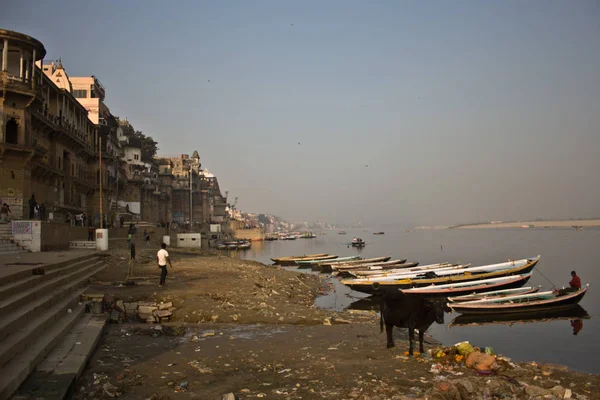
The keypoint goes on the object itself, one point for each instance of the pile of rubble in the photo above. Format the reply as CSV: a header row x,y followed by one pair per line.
x,y
137,311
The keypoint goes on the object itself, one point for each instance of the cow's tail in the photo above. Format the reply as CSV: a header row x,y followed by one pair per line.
x,y
381,305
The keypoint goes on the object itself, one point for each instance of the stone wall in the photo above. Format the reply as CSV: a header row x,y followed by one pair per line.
x,y
56,236
27,234
253,234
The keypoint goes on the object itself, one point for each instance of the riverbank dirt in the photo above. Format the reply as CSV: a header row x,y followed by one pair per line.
x,y
248,329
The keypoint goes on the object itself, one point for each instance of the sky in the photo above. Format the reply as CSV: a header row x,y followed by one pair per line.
x,y
408,112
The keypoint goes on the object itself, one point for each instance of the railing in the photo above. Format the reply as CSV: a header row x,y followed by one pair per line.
x,y
15,82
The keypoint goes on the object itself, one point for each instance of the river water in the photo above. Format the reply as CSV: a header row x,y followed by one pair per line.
x,y
562,250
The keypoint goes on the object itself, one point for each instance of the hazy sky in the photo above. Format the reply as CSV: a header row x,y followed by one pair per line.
x,y
462,110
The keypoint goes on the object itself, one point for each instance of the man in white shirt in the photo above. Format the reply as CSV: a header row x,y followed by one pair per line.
x,y
162,257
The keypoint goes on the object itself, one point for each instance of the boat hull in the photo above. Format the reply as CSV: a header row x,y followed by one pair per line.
x,y
565,301
292,260
480,296
329,267
309,263
517,282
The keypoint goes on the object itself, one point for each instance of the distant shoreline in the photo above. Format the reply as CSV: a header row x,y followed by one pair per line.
x,y
584,223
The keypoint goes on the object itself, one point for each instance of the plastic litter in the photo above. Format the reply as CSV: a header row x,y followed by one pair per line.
x,y
464,348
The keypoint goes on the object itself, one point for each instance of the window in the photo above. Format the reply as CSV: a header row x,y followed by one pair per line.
x,y
80,93
136,156
59,163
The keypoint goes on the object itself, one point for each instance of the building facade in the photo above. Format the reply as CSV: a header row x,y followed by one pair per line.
x,y
46,139
60,144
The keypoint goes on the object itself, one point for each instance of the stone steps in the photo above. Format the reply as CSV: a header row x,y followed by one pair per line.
x,y
56,375
24,280
14,373
41,294
37,312
7,242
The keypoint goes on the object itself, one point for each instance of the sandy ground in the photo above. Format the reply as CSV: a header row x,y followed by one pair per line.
x,y
589,223
251,330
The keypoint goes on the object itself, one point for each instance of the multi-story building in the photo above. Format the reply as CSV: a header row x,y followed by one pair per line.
x,y
46,140
90,94
54,127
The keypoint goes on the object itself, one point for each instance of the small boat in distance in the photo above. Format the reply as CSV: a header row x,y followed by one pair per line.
x,y
358,242
341,232
550,300
378,233
308,235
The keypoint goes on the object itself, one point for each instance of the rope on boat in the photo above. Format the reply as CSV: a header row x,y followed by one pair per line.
x,y
541,273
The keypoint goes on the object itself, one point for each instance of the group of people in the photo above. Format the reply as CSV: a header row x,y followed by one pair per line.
x,y
36,211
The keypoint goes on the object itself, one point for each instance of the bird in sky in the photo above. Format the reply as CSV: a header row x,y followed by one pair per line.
x,y
298,143
367,165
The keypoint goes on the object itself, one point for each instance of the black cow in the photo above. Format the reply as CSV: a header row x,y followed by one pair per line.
x,y
408,311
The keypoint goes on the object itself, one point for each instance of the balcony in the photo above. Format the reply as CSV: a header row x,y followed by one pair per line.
x,y
13,83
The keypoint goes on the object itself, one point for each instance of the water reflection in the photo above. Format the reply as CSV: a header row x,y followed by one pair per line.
x,y
575,315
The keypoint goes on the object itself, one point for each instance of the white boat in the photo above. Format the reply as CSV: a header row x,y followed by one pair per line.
x,y
447,271
394,273
377,270
496,294
477,286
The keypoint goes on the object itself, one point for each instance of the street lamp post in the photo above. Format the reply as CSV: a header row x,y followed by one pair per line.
x,y
191,215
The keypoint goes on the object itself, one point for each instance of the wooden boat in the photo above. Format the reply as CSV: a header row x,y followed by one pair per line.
x,y
341,233
378,233
373,260
233,245
372,286
375,265
408,270
309,263
244,246
308,235
293,259
420,273
565,313
328,267
358,242
376,271
402,268
495,293
479,286
520,303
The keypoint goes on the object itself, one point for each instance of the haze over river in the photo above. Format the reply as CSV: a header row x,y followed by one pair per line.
x,y
562,250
